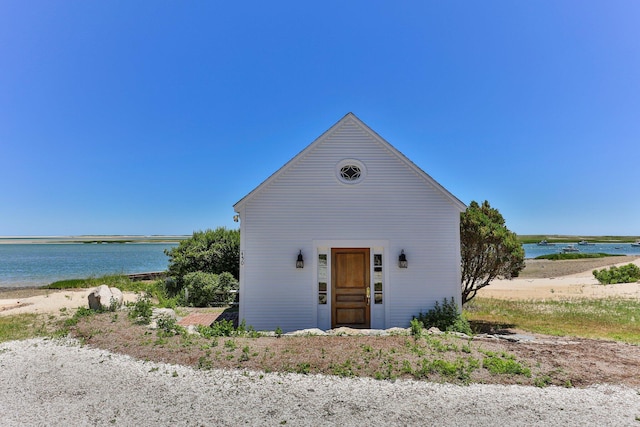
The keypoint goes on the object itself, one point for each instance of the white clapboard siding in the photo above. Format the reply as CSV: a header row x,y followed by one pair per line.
x,y
305,202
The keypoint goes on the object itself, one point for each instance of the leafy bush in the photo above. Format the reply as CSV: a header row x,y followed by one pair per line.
x,y
142,310
416,327
225,328
211,251
169,326
626,274
203,289
445,317
504,365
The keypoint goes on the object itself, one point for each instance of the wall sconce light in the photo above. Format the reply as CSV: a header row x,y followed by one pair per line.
x,y
402,260
300,261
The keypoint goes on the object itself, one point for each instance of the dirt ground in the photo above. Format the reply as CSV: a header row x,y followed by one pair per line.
x,y
570,361
562,361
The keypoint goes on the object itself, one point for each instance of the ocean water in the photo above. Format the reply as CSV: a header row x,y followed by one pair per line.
x,y
532,250
40,264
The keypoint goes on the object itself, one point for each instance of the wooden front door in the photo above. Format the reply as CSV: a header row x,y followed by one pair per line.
x,y
350,291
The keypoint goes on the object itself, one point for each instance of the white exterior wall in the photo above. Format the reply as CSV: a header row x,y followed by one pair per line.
x,y
306,207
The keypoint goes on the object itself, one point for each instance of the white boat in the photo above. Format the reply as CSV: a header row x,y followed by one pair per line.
x,y
570,248
585,243
636,244
545,243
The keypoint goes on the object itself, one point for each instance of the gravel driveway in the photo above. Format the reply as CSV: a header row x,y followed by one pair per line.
x,y
49,382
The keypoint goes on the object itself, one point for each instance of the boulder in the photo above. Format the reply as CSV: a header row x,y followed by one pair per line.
x,y
163,312
104,298
398,331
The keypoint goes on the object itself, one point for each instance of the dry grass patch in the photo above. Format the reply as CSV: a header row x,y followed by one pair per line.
x,y
608,318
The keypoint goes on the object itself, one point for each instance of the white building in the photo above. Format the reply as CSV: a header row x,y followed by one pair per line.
x,y
350,207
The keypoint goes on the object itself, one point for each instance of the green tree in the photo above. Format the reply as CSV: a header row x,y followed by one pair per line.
x,y
489,250
205,289
211,251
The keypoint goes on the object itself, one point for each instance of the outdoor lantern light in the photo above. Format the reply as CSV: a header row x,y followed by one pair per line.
x,y
300,261
402,260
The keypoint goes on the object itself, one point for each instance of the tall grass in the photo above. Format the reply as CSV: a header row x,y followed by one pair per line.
x,y
91,282
610,318
118,281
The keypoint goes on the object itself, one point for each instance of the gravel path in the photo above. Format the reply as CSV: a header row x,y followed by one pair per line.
x,y
49,382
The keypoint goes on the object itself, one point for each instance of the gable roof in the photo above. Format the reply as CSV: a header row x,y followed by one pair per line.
x,y
352,117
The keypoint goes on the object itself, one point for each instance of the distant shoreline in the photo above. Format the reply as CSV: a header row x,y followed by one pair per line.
x,y
92,239
567,238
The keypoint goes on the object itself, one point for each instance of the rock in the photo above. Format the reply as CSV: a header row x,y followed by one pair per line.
x,y
397,331
516,337
459,334
307,332
105,298
163,312
345,331
192,330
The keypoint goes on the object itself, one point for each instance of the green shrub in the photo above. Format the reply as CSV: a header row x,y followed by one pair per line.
x,y
142,310
626,274
445,317
211,251
203,289
223,328
504,366
169,326
416,327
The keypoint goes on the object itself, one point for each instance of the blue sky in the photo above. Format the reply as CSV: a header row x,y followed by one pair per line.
x,y
155,117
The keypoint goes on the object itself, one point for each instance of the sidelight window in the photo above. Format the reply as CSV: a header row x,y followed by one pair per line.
x,y
322,278
377,279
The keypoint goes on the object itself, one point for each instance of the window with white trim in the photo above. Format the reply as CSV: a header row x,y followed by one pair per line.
x,y
322,279
351,171
378,279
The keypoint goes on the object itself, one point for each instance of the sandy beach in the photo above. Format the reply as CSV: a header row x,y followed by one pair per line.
x,y
45,301
564,286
